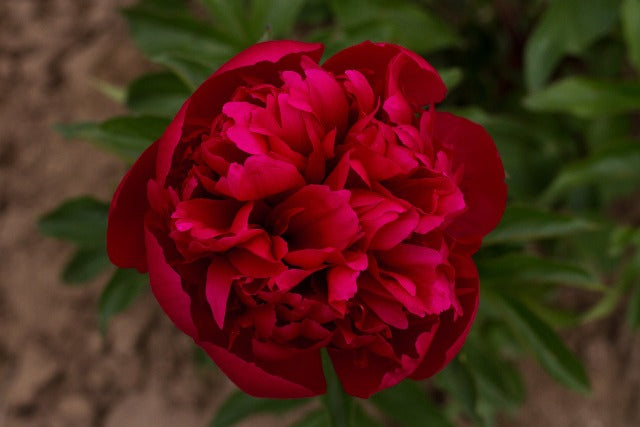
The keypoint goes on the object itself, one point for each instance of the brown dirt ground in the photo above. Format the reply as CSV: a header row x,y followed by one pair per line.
x,y
56,369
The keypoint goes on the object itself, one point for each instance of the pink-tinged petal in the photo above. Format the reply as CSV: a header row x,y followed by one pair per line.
x,y
258,178
252,265
272,51
125,228
452,332
363,373
240,133
327,99
326,220
483,186
415,80
388,310
289,279
166,286
220,277
205,218
168,142
342,285
358,85
393,233
409,364
398,109
412,75
263,61
281,379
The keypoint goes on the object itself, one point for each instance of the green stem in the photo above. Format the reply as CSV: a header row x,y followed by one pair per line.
x,y
338,403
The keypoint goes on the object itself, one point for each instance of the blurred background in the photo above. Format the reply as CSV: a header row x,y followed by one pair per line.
x,y
557,87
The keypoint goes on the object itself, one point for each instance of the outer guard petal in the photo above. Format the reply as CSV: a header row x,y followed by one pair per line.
x,y
377,57
452,333
125,228
299,377
261,61
483,186
166,286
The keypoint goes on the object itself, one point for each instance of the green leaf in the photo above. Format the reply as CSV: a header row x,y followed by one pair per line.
x,y
607,304
456,378
451,77
230,18
497,379
516,268
521,224
169,35
611,166
585,97
633,311
160,94
567,26
113,92
123,288
398,22
318,418
338,403
630,15
240,405
85,264
126,136
82,220
406,403
360,418
546,345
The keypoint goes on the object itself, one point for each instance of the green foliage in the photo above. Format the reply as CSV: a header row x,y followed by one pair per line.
x,y
82,220
239,406
586,97
522,224
567,26
406,403
126,136
556,84
123,288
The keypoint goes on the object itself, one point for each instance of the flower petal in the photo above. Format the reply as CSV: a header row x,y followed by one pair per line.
x,y
483,186
285,379
125,228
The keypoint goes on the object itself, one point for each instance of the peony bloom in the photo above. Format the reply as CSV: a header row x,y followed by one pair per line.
x,y
292,206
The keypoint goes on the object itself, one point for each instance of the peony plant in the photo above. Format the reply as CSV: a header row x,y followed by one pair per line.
x,y
310,218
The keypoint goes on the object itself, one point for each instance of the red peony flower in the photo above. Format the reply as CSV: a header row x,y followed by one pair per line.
x,y
291,207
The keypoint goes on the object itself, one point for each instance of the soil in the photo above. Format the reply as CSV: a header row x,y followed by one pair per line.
x,y
56,368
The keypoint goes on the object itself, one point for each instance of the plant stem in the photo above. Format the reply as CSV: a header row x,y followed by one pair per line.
x,y
338,403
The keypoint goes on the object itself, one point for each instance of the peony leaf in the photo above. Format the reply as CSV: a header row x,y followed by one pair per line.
x,y
406,403
126,136
457,379
318,418
521,224
516,268
497,379
168,34
451,77
159,94
615,165
123,288
584,97
546,345
337,402
630,15
85,264
82,220
240,405
567,26
633,311
407,24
